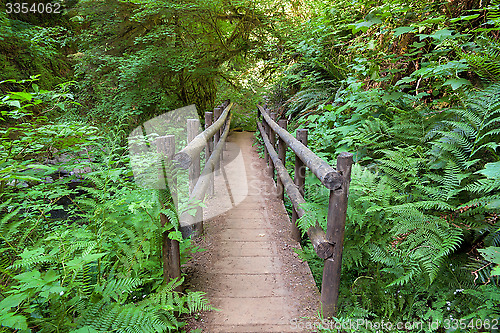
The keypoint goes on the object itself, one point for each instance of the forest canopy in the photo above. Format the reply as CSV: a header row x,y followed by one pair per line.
x,y
411,88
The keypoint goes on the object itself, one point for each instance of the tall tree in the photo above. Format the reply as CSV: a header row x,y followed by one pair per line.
x,y
141,58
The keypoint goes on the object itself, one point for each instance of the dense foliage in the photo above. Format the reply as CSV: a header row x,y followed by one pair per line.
x,y
80,241
151,56
410,87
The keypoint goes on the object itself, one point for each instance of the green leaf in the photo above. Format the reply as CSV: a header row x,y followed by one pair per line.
x,y
402,30
406,79
441,35
364,25
175,235
27,254
392,96
48,168
435,20
78,263
312,118
417,45
47,290
456,83
464,18
491,170
491,253
33,278
51,276
26,178
14,321
12,301
21,95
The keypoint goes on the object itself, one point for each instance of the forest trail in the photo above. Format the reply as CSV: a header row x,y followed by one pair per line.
x,y
250,271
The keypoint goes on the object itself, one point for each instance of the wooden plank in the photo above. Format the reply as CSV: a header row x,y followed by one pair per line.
x,y
325,173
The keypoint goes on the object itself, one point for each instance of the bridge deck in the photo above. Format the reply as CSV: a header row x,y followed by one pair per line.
x,y
250,271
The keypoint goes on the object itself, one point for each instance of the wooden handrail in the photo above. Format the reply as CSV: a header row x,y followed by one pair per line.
x,y
187,221
323,248
325,173
185,157
328,245
189,157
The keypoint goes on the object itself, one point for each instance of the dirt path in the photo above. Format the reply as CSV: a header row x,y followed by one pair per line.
x,y
250,271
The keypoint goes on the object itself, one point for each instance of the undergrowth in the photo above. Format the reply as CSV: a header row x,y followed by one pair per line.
x,y
80,241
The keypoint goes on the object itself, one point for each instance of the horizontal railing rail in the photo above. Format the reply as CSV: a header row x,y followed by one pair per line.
x,y
185,157
325,173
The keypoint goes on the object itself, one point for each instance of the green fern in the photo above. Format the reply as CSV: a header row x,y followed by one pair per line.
x,y
489,298
197,302
310,98
485,59
125,318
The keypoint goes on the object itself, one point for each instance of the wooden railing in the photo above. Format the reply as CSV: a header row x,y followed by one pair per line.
x,y
328,245
212,140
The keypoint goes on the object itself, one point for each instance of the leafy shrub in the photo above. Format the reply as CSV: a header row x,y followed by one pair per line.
x,y
80,243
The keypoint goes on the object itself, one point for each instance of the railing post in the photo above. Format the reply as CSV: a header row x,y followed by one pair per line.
x,y
264,124
170,251
224,127
193,126
272,139
217,113
337,209
268,130
299,180
282,156
209,116
221,130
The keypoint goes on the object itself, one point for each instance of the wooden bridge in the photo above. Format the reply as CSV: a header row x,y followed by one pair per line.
x,y
250,271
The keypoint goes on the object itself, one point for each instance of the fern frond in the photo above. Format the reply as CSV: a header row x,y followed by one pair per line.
x,y
114,288
315,213
28,263
196,302
5,221
484,185
485,61
125,318
468,131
